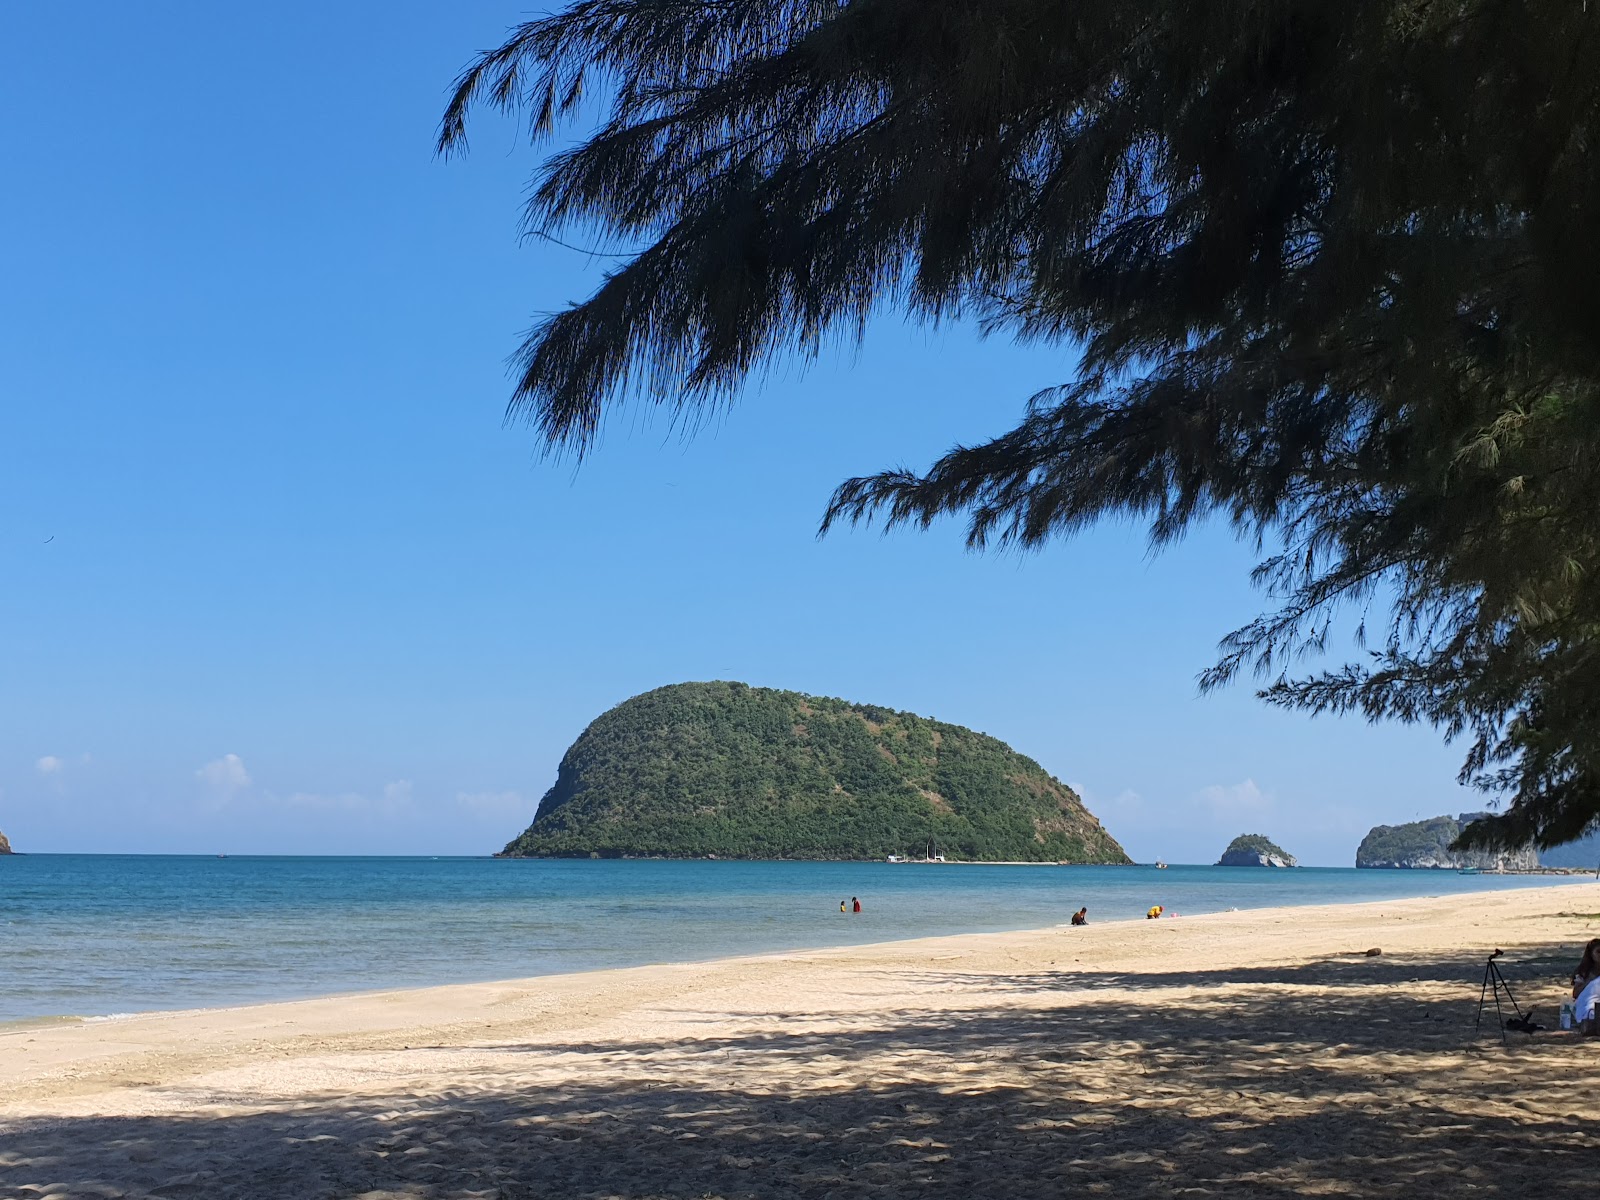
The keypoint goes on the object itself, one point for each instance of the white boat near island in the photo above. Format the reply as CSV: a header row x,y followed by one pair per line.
x,y
931,856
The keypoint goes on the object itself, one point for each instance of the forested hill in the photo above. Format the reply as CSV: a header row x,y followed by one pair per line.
x,y
724,769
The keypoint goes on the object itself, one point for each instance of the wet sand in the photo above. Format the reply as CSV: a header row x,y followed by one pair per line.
x,y
1243,1054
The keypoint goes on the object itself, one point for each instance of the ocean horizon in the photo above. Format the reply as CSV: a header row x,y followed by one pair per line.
x,y
97,936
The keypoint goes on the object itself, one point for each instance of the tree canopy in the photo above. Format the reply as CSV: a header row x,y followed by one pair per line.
x,y
1324,268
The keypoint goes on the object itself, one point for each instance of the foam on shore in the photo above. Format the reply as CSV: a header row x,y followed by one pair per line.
x,y
1261,1049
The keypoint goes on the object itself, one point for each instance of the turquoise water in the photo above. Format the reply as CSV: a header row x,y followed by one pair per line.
x,y
95,935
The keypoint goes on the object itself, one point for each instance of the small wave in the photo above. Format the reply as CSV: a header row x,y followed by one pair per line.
x,y
23,1024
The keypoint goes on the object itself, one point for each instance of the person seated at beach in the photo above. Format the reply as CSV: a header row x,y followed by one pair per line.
x,y
855,904
1155,911
1586,1008
1586,990
1081,917
1588,967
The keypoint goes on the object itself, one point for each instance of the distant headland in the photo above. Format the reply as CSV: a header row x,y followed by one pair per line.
x,y
5,846
1426,845
725,770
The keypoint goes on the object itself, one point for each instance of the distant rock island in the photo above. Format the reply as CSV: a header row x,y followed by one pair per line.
x,y
5,846
1426,845
725,770
1253,850
1583,854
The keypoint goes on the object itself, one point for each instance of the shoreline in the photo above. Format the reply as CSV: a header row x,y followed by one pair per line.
x,y
1132,916
1258,1052
376,1010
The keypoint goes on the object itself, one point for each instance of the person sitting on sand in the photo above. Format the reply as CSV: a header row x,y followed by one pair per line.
x,y
1155,911
1081,917
1586,989
1588,967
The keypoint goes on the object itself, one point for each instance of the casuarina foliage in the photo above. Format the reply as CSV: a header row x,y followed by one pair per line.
x,y
1324,269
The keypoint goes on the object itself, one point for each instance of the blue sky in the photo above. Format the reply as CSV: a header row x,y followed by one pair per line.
x,y
275,576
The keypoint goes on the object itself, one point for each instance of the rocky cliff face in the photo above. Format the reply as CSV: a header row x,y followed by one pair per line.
x,y
1425,845
1254,858
5,846
1253,850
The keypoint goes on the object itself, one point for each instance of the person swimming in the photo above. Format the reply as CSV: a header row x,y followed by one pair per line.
x,y
855,904
842,907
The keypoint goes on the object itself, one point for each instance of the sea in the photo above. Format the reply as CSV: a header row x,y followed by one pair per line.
x,y
101,936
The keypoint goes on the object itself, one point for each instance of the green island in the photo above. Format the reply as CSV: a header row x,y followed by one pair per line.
x,y
1254,850
1428,845
725,770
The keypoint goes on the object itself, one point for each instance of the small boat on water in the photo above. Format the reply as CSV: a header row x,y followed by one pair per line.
x,y
1161,866
1469,870
931,856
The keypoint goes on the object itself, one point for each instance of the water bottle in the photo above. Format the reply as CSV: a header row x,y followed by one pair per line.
x,y
1567,1014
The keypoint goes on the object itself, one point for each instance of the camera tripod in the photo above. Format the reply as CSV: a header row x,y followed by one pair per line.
x,y
1494,983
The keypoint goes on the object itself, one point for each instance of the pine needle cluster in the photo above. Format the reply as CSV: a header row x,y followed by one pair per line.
x,y
1328,269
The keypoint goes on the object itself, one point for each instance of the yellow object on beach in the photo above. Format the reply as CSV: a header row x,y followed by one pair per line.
x,y
510,1077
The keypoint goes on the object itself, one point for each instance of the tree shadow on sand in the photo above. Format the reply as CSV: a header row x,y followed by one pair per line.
x,y
1333,1078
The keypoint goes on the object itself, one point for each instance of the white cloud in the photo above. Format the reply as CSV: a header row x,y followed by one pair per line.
x,y
224,776
1236,799
1127,807
492,804
395,799
48,765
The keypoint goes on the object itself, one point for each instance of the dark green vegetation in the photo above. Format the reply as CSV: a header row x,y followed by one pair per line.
x,y
1330,263
1252,849
1414,844
1431,843
700,769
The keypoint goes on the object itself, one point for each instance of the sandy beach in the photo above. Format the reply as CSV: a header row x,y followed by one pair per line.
x,y
1244,1054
